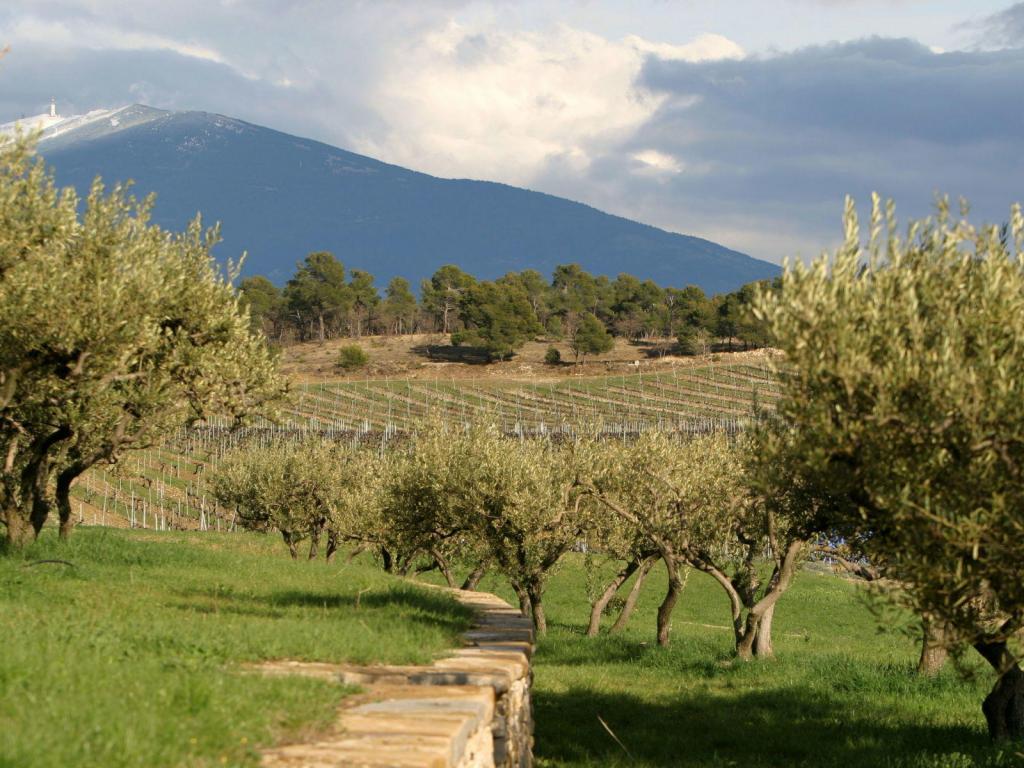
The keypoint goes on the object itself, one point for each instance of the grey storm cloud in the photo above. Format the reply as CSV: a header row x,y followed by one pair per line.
x,y
768,147
999,30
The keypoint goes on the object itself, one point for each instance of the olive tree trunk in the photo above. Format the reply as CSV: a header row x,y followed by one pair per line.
x,y
473,579
536,595
444,567
933,648
763,642
332,546
633,596
293,544
19,530
1004,706
524,599
676,583
597,609
64,512
746,637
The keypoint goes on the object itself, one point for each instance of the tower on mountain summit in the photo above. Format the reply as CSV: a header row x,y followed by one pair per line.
x,y
53,107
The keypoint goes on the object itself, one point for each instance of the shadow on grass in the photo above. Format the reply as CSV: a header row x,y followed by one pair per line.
x,y
419,605
656,349
422,600
694,657
794,726
445,353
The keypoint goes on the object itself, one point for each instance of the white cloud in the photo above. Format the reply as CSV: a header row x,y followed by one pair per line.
x,y
502,105
653,162
706,47
98,36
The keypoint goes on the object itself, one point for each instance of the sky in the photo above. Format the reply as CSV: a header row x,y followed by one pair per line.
x,y
742,121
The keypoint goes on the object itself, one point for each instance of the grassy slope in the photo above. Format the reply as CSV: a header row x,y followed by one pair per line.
x,y
841,692
131,657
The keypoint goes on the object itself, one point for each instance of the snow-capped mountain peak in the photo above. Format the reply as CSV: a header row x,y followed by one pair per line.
x,y
94,122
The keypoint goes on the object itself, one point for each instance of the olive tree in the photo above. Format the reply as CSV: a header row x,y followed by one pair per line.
x,y
305,490
903,387
422,498
515,503
112,332
527,508
290,488
618,538
693,502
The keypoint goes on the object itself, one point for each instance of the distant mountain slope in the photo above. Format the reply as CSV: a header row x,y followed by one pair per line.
x,y
280,197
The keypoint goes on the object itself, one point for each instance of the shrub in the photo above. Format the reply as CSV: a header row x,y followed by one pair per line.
x,y
352,357
692,340
552,356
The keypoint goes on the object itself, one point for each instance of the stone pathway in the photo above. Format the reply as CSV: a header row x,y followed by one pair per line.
x,y
468,710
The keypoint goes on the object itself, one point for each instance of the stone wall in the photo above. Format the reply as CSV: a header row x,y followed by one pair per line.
x,y
471,709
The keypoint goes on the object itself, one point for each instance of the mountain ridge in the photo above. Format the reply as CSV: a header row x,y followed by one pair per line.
x,y
281,196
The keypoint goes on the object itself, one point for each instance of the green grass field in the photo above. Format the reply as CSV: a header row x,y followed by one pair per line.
x,y
842,690
132,657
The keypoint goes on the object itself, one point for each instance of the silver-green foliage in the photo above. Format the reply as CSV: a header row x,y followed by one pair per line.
x,y
112,333
305,490
474,493
904,394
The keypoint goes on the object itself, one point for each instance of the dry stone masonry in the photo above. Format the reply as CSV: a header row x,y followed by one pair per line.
x,y
471,709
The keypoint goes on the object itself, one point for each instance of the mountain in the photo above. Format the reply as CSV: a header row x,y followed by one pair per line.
x,y
280,197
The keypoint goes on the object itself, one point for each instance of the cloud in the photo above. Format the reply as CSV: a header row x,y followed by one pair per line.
x,y
705,47
763,149
99,36
690,132
653,162
500,104
1004,29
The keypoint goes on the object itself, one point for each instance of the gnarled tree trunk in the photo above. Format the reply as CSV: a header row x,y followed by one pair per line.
x,y
747,636
597,609
314,544
1004,706
443,566
633,596
763,642
40,512
64,513
525,608
332,546
19,530
473,579
675,588
293,545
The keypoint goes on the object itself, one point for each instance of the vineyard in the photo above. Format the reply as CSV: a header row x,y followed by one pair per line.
x,y
165,487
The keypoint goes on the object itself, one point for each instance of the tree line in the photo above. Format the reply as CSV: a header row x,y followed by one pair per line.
x,y
322,301
466,497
